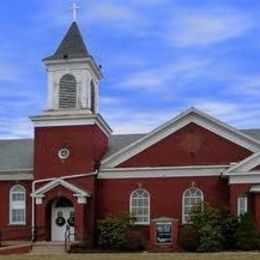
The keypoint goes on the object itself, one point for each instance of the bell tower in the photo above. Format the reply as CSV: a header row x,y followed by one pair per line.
x,y
71,137
73,77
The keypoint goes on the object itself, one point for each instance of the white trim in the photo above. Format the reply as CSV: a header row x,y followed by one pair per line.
x,y
57,182
16,177
63,153
89,60
162,172
183,203
245,165
17,170
250,173
16,174
51,179
11,222
71,120
255,189
149,206
238,205
243,179
191,115
82,199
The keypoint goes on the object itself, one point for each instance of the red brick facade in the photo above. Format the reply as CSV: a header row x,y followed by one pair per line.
x,y
13,232
87,145
191,145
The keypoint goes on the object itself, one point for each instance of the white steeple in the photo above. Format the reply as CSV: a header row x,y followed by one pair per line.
x,y
73,76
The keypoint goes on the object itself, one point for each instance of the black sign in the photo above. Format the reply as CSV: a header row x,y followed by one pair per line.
x,y
163,232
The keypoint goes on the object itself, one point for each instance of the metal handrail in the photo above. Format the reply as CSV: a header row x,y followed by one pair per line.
x,y
67,237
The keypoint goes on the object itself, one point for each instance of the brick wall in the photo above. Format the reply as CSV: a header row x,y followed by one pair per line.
x,y
191,145
14,232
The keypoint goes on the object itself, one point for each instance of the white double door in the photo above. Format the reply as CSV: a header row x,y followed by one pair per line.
x,y
58,230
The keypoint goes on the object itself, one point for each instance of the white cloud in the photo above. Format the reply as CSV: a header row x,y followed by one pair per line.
x,y
247,85
217,108
236,113
10,72
162,78
200,28
126,121
116,15
110,101
16,128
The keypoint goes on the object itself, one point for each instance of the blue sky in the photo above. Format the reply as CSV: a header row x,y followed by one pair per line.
x,y
159,58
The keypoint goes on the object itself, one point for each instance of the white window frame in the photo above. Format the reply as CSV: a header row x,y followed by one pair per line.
x,y
183,202
11,207
239,209
148,206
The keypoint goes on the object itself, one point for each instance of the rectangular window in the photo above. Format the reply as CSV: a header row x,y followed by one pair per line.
x,y
18,216
241,206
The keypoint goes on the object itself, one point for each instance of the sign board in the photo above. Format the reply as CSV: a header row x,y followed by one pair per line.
x,y
164,232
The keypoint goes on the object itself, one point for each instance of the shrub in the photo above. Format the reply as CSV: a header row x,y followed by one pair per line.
x,y
113,229
210,238
246,234
207,219
134,241
189,238
229,225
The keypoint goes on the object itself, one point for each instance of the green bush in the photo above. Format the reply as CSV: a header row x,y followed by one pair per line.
x,y
113,229
189,238
210,239
216,227
246,235
134,241
229,225
207,219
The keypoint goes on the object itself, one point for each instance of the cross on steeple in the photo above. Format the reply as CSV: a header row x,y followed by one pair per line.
x,y
74,9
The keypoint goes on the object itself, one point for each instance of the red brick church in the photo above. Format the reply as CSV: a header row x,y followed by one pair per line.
x,y
76,171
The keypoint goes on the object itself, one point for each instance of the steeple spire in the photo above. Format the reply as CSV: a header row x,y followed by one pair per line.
x,y
72,46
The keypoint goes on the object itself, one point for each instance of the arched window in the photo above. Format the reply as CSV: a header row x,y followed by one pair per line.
x,y
93,96
17,205
140,206
68,92
191,197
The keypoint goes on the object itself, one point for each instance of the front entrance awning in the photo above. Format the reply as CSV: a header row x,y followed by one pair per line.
x,y
245,171
77,192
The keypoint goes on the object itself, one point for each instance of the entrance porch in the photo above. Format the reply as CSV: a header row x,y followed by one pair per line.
x,y
60,212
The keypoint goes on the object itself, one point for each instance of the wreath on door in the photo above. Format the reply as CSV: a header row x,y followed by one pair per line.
x,y
60,220
71,220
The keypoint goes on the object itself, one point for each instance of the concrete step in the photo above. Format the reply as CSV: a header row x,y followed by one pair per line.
x,y
44,248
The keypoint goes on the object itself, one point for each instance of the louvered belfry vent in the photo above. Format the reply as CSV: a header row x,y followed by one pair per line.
x,y
68,92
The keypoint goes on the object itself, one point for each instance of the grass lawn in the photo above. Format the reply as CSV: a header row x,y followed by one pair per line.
x,y
144,256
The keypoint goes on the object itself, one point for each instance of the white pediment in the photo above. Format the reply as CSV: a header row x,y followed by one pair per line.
x,y
60,182
245,166
190,116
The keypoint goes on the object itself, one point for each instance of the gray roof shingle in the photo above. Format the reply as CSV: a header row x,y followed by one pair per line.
x,y
72,46
16,154
255,133
117,142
